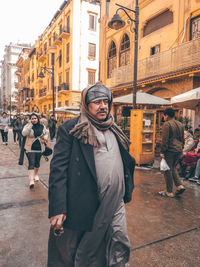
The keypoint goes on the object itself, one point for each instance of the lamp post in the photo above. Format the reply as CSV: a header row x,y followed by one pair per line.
x,y
50,71
117,23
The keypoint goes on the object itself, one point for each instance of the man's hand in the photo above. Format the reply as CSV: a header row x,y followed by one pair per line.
x,y
56,223
162,155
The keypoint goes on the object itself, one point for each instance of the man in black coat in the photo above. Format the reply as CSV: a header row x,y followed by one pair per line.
x,y
91,177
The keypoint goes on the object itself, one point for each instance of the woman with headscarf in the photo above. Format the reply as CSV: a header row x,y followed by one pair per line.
x,y
36,135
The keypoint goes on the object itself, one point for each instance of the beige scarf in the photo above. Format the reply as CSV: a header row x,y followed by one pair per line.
x,y
84,129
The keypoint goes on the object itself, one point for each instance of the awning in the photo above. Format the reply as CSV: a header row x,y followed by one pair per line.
x,y
189,100
141,98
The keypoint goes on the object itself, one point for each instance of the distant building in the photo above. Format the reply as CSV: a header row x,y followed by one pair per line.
x,y
8,77
70,44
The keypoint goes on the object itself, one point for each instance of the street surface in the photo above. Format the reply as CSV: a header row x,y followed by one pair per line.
x,y
163,231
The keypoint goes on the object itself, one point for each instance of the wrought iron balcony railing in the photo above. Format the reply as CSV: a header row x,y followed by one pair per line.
x,y
182,58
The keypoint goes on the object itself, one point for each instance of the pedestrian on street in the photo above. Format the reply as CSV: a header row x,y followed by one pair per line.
x,y
91,177
52,127
14,126
36,136
4,123
20,123
171,150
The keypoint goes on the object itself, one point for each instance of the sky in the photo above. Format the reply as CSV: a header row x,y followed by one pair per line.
x,y
22,21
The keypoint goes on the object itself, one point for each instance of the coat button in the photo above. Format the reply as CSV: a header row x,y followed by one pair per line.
x,y
77,159
79,173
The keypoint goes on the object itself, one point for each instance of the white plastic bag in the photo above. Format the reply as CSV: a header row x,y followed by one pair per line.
x,y
163,165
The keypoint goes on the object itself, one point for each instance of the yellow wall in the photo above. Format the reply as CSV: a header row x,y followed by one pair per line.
x,y
168,36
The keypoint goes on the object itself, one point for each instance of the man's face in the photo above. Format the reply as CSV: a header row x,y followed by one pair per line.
x,y
4,115
21,117
99,109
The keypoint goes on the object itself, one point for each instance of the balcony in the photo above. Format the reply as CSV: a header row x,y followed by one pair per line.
x,y
51,49
57,40
181,59
43,92
65,33
42,56
63,87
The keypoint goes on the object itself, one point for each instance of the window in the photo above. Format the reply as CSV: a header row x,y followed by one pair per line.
x,y
107,6
155,50
45,48
45,109
66,102
68,24
92,50
158,22
60,79
124,56
52,59
32,77
67,80
67,52
112,59
50,41
59,104
60,58
195,28
60,29
49,106
92,22
91,77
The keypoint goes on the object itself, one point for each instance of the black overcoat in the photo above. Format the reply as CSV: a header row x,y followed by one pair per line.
x,y
73,188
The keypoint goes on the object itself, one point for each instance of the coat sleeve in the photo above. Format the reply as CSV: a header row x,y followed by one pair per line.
x,y
27,129
165,138
58,173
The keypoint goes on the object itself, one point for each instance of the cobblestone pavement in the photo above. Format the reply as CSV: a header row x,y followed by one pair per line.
x,y
163,231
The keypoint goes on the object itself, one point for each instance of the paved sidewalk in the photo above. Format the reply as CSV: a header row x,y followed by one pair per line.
x,y
163,231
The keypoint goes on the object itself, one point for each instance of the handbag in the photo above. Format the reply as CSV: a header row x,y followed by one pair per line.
x,y
48,151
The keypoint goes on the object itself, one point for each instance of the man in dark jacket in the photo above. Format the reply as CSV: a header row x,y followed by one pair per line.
x,y
52,127
20,123
171,150
91,177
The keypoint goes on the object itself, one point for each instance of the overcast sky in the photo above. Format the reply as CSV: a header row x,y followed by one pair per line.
x,y
22,21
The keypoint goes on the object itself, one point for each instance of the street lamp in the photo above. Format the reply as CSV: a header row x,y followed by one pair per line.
x,y
117,23
50,71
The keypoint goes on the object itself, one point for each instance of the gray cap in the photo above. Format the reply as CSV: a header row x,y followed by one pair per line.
x,y
98,92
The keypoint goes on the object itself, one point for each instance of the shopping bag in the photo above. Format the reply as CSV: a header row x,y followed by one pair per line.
x,y
163,165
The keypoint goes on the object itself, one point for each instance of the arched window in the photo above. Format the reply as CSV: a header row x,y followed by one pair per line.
x,y
124,56
112,59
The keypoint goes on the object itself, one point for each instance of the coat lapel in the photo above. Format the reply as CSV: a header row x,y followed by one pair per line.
x,y
89,157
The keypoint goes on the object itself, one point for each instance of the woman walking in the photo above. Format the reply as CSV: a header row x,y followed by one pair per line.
x,y
36,136
14,126
4,122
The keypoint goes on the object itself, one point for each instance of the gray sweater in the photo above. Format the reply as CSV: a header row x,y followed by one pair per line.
x,y
4,122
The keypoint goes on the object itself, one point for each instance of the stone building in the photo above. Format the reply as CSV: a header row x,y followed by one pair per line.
x,y
8,77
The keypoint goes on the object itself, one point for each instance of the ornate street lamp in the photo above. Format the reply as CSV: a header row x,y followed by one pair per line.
x,y
50,71
117,23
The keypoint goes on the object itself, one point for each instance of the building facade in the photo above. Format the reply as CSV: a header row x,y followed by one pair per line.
x,y
168,50
8,77
69,44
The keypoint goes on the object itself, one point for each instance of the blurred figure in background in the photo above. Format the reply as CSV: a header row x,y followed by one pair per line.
x,y
20,123
14,126
52,127
4,122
